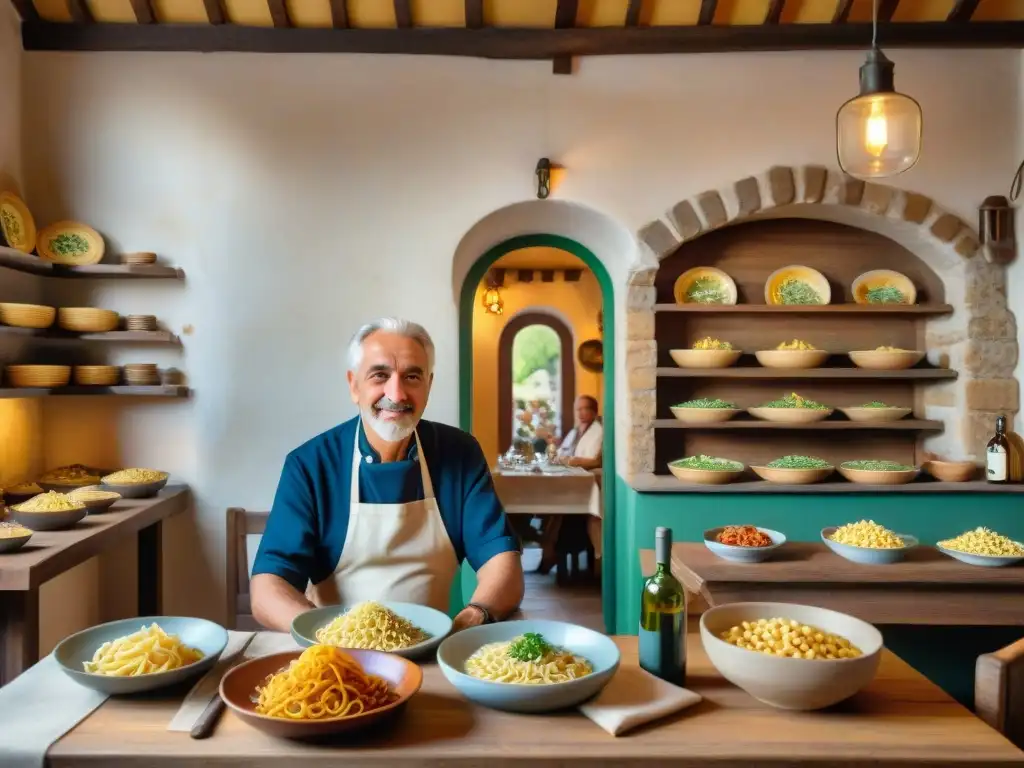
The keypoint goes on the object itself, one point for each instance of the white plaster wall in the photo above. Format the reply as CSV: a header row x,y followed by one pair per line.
x,y
1015,272
304,194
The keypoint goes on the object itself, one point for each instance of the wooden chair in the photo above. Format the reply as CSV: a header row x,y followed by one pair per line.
x,y
241,523
999,691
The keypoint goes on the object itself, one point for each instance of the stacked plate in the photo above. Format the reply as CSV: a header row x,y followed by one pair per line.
x,y
87,319
142,374
143,257
27,315
140,322
97,375
38,375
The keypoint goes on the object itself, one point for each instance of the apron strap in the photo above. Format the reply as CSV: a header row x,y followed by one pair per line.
x,y
428,486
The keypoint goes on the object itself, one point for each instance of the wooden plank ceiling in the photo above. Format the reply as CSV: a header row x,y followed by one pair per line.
x,y
515,29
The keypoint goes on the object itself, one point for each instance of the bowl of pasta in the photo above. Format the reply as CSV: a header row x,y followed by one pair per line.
x,y
319,691
406,629
142,654
789,656
528,666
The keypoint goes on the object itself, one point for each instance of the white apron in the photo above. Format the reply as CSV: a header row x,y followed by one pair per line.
x,y
397,552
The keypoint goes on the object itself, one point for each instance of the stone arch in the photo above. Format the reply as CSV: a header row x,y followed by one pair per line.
x,y
979,339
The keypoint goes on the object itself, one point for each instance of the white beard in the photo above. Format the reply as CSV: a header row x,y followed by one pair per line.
x,y
391,431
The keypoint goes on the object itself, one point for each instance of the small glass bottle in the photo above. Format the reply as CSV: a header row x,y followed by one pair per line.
x,y
663,617
997,455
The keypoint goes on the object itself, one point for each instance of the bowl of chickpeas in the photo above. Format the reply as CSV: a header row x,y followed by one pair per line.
x,y
791,656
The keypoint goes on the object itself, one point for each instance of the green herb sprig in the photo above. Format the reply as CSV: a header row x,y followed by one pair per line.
x,y
705,402
798,462
794,400
706,290
707,462
886,294
530,647
798,292
877,465
875,404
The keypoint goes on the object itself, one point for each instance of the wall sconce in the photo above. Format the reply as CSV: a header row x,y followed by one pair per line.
x,y
996,230
548,176
492,297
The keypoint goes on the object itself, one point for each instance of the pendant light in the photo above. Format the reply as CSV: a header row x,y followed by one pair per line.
x,y
878,133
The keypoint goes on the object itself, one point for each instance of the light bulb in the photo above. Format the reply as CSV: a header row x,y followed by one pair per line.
x,y
876,133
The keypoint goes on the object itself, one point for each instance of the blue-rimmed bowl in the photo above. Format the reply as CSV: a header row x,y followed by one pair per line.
x,y
869,555
203,635
739,554
599,649
430,620
985,561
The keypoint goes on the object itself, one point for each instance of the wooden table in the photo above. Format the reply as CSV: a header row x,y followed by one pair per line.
x,y
926,588
571,491
899,720
51,553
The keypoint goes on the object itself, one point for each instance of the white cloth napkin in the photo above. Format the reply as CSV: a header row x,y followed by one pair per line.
x,y
208,687
37,708
634,697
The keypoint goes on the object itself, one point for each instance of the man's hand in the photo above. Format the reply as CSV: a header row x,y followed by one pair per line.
x,y
466,618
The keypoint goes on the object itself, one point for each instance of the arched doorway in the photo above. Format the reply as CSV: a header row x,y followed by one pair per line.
x,y
536,329
467,305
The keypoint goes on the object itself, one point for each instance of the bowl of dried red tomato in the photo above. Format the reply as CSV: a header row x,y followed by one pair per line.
x,y
743,543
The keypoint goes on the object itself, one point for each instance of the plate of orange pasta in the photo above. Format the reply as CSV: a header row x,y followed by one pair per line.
x,y
320,690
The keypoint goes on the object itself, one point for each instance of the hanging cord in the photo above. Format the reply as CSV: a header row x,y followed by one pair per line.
x,y
1015,184
874,24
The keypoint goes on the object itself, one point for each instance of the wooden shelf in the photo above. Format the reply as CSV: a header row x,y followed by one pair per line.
x,y
650,483
55,334
826,425
124,390
810,309
33,265
754,372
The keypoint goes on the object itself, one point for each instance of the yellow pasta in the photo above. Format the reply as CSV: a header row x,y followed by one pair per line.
x,y
867,533
145,652
372,626
789,638
984,541
324,682
526,660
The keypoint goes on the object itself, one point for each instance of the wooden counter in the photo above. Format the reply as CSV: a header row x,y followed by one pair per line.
x,y
899,720
51,553
926,588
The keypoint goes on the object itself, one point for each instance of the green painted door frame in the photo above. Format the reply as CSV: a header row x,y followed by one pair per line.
x,y
467,300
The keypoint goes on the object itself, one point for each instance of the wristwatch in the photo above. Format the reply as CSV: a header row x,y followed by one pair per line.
x,y
488,619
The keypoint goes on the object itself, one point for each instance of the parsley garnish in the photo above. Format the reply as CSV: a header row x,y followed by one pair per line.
x,y
530,647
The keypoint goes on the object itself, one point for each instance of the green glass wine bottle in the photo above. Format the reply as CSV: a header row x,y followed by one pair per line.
x,y
663,617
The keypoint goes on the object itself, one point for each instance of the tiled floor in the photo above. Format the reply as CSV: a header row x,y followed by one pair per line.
x,y
580,604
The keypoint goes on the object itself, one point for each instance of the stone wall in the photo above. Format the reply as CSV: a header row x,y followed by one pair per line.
x,y
979,339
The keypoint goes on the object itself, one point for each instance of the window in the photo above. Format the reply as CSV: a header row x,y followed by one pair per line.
x,y
536,381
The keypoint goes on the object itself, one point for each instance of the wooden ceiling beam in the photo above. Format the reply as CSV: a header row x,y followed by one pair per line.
x,y
216,11
403,14
565,18
963,10
339,13
518,44
707,11
79,11
842,12
474,14
279,13
26,10
886,8
774,13
633,12
144,12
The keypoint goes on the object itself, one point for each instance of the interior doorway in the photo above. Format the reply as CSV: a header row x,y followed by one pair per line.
x,y
533,350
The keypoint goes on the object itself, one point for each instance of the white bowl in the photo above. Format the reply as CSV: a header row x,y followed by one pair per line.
x,y
985,561
738,554
788,683
868,555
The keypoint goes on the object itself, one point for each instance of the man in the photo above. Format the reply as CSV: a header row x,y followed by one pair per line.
x,y
582,447
386,506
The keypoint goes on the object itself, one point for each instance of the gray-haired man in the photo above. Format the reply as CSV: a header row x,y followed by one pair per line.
x,y
386,506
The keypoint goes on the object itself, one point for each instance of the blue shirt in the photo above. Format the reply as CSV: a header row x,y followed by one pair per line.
x,y
306,529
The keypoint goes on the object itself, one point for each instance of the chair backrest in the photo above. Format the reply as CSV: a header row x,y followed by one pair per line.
x,y
999,690
242,523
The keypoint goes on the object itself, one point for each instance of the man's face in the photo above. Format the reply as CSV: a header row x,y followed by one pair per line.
x,y
585,412
392,384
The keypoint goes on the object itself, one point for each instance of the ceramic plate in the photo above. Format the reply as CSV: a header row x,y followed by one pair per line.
x,y
16,223
985,561
70,243
704,285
